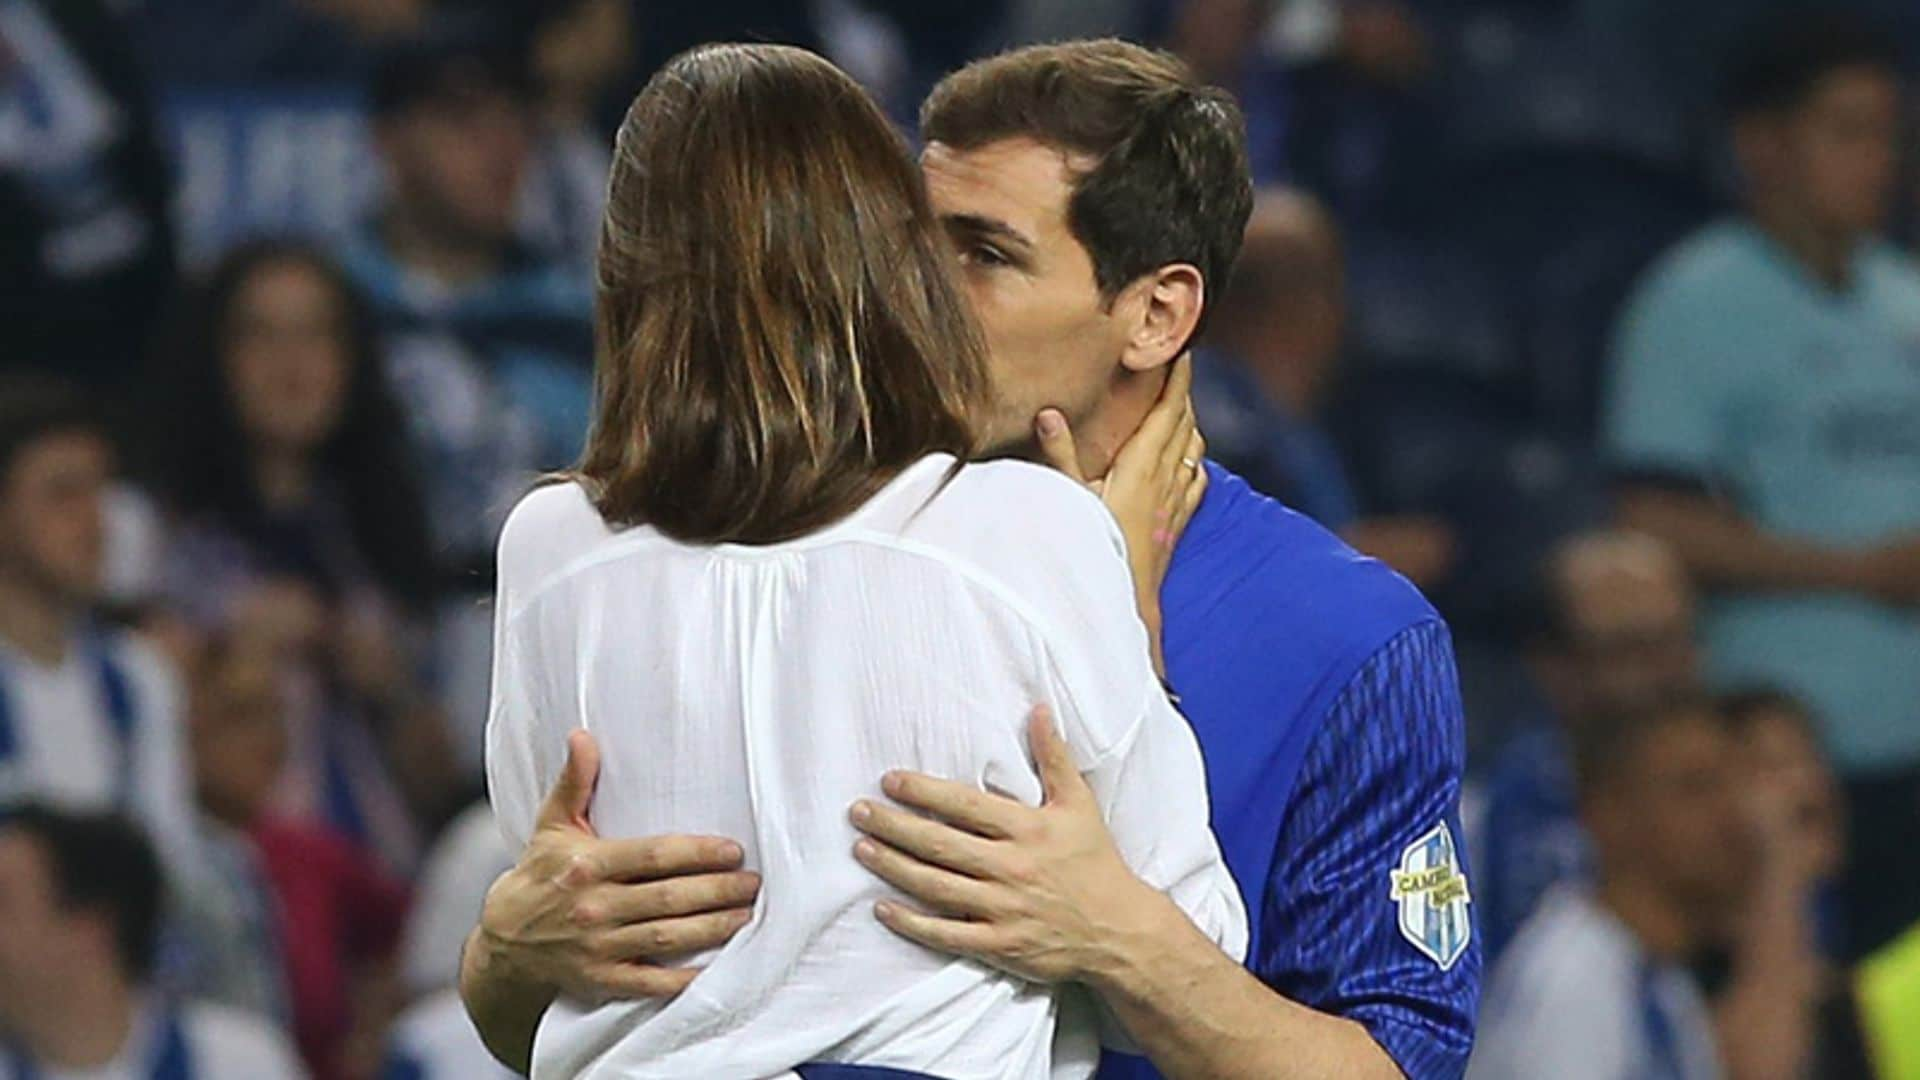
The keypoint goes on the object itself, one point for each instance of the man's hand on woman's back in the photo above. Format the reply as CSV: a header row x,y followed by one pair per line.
x,y
595,919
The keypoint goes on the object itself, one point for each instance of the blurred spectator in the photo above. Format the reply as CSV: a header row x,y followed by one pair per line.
x,y
1770,1019
1358,122
300,528
1765,420
311,924
1383,41
1615,630
1222,41
580,50
89,717
237,42
86,251
433,1039
454,879
1596,983
488,344
80,899
1261,383
231,942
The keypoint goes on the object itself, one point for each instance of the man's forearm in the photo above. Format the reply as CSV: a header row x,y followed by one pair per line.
x,y
1197,1014
505,1009
1722,549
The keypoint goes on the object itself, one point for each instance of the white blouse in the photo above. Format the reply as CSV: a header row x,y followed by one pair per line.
x,y
755,692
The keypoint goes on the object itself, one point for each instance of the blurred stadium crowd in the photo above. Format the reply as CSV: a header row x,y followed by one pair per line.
x,y
1591,317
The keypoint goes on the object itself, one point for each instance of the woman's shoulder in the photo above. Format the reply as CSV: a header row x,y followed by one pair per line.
x,y
549,526
1027,525
1022,497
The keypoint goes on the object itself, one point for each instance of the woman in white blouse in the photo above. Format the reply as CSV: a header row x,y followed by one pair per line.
x,y
777,573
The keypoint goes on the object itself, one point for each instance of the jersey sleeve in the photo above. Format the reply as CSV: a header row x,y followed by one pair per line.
x,y
1368,905
1668,387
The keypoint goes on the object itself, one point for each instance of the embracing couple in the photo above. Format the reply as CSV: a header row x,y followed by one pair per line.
x,y
885,770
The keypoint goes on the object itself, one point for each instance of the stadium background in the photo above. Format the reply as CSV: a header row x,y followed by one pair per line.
x,y
1460,197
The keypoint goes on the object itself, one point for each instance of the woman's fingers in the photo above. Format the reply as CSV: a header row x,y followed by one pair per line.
x,y
1055,437
1195,488
1162,424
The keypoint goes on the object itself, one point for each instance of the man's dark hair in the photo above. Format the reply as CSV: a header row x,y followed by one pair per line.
x,y
455,53
1607,748
1744,707
33,406
100,862
1781,62
1171,182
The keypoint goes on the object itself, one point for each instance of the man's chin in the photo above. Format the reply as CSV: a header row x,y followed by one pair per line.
x,y
1022,448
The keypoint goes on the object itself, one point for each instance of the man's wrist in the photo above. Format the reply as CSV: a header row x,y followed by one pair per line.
x,y
1149,928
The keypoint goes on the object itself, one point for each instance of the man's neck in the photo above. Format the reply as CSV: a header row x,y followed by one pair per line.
x,y
86,1028
1825,253
447,259
1658,922
1129,398
35,621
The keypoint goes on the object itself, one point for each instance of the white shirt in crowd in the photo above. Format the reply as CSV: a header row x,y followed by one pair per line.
x,y
67,749
434,1040
757,691
1575,997
215,1043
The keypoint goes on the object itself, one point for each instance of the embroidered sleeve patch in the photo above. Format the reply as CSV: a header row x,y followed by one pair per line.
x,y
1430,890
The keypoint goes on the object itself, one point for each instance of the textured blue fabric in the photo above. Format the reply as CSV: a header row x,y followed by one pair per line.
x,y
1384,768
1322,689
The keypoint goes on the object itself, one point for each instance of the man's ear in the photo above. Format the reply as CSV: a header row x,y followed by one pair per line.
x,y
1164,307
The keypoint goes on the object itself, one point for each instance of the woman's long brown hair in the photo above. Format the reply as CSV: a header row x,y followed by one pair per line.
x,y
778,333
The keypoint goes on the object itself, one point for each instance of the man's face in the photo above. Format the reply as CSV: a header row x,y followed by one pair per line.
x,y
52,513
1840,150
1051,338
458,158
1681,819
37,940
1630,623
1794,789
239,736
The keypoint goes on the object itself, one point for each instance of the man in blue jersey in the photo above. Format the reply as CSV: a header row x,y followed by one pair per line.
x,y
1084,187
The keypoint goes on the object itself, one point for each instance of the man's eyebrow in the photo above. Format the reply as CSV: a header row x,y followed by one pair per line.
x,y
986,226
